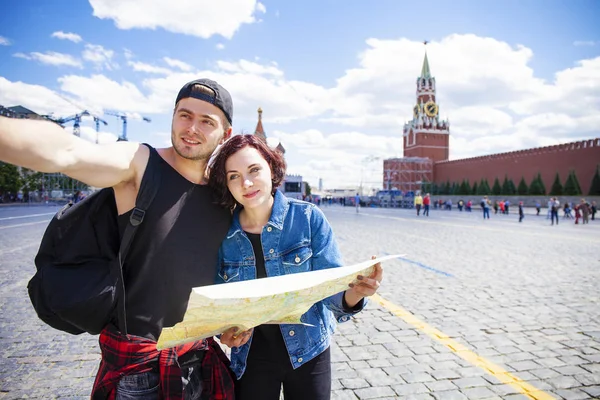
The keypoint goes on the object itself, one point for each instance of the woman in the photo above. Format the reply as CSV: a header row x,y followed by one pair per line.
x,y
273,235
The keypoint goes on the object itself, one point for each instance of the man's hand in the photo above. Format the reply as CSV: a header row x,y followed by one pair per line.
x,y
367,286
232,337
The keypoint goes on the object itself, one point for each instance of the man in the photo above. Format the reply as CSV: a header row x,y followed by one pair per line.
x,y
175,248
357,202
485,205
426,203
418,203
555,206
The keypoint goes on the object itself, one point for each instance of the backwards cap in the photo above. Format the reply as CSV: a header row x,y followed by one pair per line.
x,y
221,99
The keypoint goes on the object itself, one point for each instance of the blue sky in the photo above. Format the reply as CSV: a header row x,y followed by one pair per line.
x,y
336,79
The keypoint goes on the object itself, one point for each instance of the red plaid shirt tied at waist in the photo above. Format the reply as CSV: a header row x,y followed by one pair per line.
x,y
129,355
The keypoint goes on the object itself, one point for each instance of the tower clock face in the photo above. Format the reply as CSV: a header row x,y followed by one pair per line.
x,y
416,110
431,109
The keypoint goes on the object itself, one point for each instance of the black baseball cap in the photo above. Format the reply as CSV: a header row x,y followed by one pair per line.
x,y
221,99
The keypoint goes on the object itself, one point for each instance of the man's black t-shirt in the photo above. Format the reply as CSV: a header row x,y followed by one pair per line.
x,y
175,249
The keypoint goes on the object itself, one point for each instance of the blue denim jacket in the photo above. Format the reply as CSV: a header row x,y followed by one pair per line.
x,y
297,238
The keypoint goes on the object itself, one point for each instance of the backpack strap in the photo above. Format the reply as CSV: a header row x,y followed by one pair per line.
x,y
148,189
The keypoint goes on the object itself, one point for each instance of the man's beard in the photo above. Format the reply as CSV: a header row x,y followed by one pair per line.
x,y
193,156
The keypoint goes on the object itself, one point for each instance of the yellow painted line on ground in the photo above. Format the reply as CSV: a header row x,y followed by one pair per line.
x,y
493,369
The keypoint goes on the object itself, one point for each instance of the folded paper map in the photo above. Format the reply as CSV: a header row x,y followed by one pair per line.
x,y
276,300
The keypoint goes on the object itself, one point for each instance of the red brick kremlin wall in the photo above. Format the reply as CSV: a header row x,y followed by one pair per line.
x,y
583,157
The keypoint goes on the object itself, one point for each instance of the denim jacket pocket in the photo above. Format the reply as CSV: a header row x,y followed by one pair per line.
x,y
297,260
229,273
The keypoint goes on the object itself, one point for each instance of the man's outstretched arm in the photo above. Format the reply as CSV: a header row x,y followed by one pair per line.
x,y
46,147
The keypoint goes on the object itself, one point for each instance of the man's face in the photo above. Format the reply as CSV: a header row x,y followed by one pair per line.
x,y
197,129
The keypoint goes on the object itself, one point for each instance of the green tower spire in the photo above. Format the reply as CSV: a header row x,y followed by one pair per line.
x,y
425,73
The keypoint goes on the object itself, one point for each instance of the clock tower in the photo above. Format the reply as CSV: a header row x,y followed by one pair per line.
x,y
426,135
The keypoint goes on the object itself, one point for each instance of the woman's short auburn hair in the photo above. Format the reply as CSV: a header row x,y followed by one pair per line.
x,y
217,180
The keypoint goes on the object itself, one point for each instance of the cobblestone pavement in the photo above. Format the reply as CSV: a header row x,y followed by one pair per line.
x,y
476,310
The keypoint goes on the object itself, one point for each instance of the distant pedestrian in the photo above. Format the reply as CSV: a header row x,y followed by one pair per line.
x,y
426,203
538,207
521,213
585,211
593,210
418,203
485,204
506,206
554,210
357,201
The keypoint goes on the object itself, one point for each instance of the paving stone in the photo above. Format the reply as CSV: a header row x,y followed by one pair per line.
x,y
593,368
440,386
358,364
478,393
445,374
563,382
544,373
504,390
572,394
419,396
450,395
417,377
465,383
410,388
378,363
374,392
593,391
336,384
354,383
550,362
524,365
588,379
343,395
571,370
377,377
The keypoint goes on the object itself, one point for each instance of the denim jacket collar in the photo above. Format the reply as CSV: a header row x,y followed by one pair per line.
x,y
281,205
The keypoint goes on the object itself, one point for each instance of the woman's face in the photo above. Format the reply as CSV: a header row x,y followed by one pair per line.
x,y
249,178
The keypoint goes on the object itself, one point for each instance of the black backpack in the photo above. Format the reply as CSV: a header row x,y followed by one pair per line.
x,y
79,286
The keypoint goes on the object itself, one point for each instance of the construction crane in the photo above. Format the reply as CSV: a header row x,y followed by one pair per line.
x,y
123,118
77,123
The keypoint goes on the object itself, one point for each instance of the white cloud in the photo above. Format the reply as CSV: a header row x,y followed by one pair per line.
x,y
128,54
99,56
219,46
4,41
584,43
37,98
249,67
99,91
202,18
73,37
51,58
151,69
171,62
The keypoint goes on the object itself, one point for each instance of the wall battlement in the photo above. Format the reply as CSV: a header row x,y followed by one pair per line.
x,y
583,144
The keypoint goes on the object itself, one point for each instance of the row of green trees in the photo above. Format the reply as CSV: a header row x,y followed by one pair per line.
x,y
12,181
507,188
